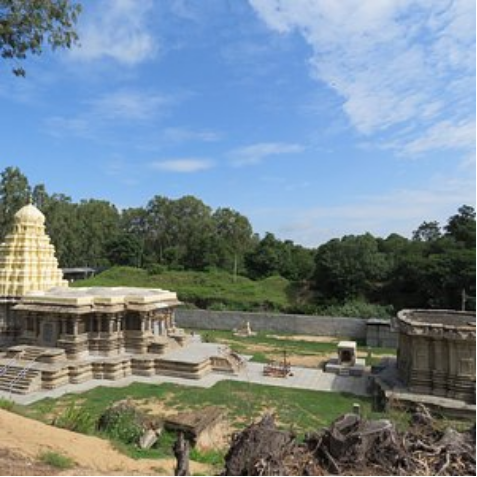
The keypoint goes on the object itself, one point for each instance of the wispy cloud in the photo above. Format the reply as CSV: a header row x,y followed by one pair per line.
x,y
130,105
181,135
116,29
404,69
257,153
183,165
105,111
400,211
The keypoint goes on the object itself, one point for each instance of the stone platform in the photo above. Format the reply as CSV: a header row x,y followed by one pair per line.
x,y
26,369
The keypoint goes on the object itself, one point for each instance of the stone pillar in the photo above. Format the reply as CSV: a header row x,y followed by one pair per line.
x,y
439,367
75,326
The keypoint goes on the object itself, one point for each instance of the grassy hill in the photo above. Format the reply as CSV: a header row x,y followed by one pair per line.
x,y
210,290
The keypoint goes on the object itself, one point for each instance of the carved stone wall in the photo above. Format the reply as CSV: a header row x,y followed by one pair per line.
x,y
436,353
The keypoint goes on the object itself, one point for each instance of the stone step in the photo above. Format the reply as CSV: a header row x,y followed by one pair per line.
x,y
16,382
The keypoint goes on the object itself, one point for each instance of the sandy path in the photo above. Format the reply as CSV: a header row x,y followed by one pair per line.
x,y
29,438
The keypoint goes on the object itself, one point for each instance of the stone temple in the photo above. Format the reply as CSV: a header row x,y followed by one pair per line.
x,y
435,362
27,263
53,335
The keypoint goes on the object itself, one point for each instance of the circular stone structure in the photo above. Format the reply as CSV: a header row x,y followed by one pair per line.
x,y
436,352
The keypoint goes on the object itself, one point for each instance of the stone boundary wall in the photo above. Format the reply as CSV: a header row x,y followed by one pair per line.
x,y
352,328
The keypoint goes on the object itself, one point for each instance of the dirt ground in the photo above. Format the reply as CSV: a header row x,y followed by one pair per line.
x,y
22,440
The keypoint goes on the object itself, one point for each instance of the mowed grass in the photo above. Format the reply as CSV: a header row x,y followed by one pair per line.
x,y
302,410
214,289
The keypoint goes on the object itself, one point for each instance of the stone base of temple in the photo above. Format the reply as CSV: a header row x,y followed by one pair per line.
x,y
25,369
447,398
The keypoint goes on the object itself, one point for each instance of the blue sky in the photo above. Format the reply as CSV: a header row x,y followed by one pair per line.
x,y
314,118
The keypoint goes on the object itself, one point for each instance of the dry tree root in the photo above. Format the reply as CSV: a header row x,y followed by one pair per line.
x,y
353,446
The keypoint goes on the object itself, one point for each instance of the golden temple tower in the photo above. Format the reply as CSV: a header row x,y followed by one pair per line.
x,y
27,257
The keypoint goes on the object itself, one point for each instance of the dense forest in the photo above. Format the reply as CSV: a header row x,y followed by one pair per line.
x,y
431,269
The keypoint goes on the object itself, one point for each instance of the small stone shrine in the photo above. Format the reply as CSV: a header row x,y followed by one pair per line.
x,y
347,363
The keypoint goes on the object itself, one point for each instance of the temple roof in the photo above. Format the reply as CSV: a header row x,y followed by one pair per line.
x,y
106,299
29,215
438,323
27,257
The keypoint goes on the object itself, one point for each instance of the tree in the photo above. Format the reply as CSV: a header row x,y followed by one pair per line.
x,y
234,234
427,232
63,227
98,223
349,268
264,260
461,227
14,194
123,250
25,25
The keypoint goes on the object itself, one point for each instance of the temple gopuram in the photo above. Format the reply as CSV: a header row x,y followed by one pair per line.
x,y
27,263
52,335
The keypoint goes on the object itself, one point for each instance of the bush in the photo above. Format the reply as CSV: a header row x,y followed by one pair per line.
x,y
76,419
122,422
156,269
6,404
357,309
59,461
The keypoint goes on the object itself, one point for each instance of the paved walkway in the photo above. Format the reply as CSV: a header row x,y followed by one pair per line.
x,y
303,378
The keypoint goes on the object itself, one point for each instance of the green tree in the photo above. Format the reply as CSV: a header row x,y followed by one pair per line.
x,y
98,224
427,232
123,250
14,194
233,237
351,267
26,25
63,227
461,227
264,260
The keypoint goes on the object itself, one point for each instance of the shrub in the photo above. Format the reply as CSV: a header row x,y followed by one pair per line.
x,y
156,269
358,309
122,422
76,419
6,404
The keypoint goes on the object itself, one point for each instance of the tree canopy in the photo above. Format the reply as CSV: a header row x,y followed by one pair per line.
x,y
26,25
429,270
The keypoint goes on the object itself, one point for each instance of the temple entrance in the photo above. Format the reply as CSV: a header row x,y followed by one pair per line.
x,y
346,356
49,334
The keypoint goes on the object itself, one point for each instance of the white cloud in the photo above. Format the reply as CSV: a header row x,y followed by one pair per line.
x,y
102,112
400,211
185,165
395,63
129,105
116,29
180,135
256,153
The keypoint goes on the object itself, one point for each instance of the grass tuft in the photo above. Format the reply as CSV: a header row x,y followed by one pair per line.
x,y
59,461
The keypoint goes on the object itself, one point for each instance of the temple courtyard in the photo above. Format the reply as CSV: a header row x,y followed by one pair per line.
x,y
196,353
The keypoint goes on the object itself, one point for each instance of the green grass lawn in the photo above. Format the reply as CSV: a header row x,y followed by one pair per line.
x,y
304,410
243,403
212,290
